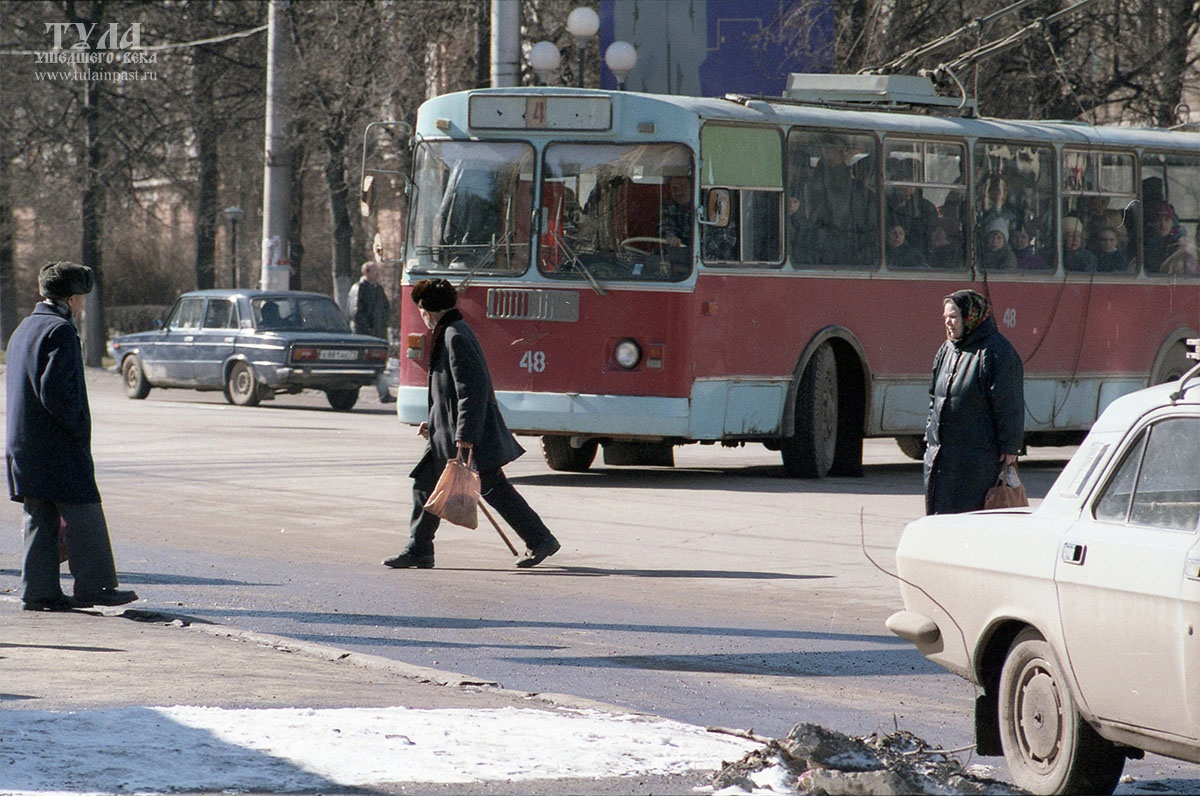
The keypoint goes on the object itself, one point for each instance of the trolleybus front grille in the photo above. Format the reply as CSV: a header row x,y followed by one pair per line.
x,y
517,304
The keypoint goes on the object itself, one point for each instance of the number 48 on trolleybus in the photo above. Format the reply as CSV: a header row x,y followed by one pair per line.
x,y
647,271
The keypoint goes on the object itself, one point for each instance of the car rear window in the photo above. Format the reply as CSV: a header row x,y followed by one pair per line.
x,y
309,313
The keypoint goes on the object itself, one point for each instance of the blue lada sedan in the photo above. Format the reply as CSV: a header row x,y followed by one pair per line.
x,y
252,345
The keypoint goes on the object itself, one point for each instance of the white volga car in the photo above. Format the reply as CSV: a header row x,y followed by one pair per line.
x,y
1078,621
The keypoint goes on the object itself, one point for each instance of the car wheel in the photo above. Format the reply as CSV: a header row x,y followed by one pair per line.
x,y
241,387
136,386
342,400
1050,749
562,457
810,451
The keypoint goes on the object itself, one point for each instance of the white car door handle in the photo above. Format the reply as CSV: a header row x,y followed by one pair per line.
x,y
1074,553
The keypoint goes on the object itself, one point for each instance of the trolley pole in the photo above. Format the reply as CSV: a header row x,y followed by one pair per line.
x,y
277,168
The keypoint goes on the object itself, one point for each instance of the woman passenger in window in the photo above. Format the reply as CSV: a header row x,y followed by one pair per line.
x,y
946,250
1110,259
976,422
900,253
1166,247
1075,257
997,256
1027,257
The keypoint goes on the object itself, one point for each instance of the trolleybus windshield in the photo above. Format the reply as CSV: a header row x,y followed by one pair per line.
x,y
617,211
473,206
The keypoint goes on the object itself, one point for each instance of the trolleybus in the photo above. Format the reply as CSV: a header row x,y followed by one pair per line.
x,y
646,271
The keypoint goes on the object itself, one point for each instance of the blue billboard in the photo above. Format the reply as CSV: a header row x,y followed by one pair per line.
x,y
708,48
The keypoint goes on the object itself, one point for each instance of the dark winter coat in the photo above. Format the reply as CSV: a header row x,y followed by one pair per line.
x,y
370,307
976,413
49,443
462,404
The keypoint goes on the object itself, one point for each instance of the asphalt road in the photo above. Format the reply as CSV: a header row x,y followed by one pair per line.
x,y
718,592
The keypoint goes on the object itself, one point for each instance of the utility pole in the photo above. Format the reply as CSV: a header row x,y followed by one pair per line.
x,y
506,43
277,168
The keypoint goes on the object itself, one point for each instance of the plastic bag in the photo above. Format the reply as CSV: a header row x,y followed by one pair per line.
x,y
1008,492
455,498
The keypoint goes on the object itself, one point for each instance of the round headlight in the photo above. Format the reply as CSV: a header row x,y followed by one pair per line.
x,y
628,354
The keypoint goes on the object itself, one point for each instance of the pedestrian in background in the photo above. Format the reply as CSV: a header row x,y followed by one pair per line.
x,y
370,310
463,414
976,422
49,450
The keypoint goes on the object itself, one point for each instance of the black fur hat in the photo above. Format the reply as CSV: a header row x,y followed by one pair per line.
x,y
61,280
434,295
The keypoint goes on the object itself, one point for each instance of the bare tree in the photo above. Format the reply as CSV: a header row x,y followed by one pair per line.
x,y
1108,60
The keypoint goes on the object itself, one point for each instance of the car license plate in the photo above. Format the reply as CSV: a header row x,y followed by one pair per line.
x,y
339,354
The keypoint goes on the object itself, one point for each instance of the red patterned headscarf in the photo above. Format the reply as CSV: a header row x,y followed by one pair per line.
x,y
974,308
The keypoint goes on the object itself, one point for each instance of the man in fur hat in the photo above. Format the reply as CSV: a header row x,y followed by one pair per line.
x,y
49,450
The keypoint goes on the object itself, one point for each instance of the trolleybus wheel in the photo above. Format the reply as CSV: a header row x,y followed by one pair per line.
x,y
912,446
1174,363
810,451
342,400
564,458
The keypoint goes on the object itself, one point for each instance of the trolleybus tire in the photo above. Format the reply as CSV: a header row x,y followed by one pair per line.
x,y
810,451
342,400
1173,363
912,446
564,458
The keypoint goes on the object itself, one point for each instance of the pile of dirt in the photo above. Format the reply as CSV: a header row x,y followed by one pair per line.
x,y
815,760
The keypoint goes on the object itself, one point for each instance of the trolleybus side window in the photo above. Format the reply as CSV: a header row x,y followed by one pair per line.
x,y
1170,214
617,211
924,202
743,166
832,199
473,206
1015,182
1097,195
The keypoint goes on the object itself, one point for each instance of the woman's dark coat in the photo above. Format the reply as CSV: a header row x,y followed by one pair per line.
x,y
976,413
462,404
49,443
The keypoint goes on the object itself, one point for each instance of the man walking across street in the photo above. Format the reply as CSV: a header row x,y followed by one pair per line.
x,y
49,450
369,307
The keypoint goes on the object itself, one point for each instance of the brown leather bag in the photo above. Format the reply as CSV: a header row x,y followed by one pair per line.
x,y
1008,491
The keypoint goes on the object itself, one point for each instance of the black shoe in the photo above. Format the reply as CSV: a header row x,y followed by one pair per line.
x,y
539,554
408,560
60,603
105,597
388,399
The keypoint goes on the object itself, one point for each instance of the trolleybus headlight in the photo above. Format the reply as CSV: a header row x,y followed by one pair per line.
x,y
628,354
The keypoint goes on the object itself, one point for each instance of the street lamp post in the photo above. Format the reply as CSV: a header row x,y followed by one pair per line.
x,y
234,215
583,23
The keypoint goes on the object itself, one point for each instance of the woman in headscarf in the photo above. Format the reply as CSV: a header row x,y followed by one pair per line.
x,y
976,422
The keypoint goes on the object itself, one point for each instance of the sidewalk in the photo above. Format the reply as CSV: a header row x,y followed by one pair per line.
x,y
125,700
